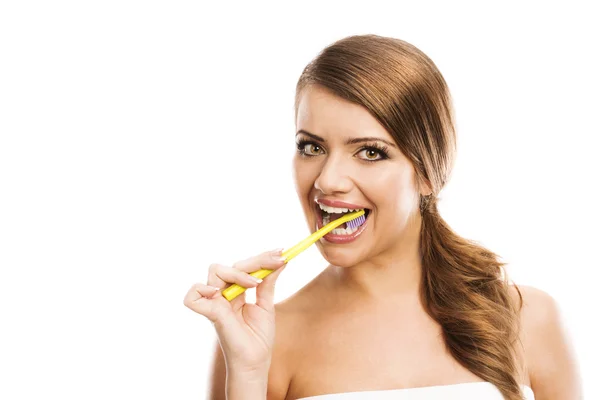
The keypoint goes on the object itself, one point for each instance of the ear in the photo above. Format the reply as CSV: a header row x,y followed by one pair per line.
x,y
424,186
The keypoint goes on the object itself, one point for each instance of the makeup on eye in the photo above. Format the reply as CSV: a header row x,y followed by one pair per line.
x,y
347,141
372,147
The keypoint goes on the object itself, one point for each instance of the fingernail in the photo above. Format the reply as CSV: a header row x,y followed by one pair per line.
x,y
278,258
215,288
277,252
255,279
278,255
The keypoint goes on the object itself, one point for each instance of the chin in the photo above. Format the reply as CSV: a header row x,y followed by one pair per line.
x,y
343,257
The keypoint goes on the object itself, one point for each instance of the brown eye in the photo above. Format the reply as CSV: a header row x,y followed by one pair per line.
x,y
312,149
371,154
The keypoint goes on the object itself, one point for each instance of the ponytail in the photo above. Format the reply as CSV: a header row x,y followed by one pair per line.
x,y
464,290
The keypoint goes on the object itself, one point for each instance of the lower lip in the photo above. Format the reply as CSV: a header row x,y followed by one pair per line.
x,y
340,239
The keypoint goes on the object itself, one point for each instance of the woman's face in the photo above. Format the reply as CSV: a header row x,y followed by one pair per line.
x,y
336,165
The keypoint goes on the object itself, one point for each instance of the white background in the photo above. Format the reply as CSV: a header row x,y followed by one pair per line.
x,y
142,141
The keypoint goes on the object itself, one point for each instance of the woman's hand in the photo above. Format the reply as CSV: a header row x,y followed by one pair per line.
x,y
246,331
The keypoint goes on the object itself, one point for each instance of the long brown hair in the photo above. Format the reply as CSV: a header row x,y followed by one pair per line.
x,y
464,287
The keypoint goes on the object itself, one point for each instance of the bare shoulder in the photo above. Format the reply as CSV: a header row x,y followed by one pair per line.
x,y
288,322
549,356
280,373
292,316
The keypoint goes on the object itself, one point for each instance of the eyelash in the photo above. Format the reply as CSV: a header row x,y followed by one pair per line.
x,y
382,150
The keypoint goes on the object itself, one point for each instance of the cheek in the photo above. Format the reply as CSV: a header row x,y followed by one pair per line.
x,y
394,193
303,176
302,182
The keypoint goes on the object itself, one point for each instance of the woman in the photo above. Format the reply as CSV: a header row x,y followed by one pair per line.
x,y
407,308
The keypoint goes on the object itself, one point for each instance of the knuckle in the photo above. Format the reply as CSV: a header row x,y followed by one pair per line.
x,y
216,269
213,267
267,255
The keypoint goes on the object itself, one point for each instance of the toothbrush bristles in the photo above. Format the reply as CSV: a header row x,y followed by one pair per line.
x,y
356,222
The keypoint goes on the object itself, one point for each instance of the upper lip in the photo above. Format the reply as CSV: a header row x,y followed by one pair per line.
x,y
339,204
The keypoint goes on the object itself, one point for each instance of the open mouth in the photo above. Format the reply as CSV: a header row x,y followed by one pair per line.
x,y
327,214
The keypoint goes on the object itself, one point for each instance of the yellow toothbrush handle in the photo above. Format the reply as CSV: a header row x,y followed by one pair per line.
x,y
235,290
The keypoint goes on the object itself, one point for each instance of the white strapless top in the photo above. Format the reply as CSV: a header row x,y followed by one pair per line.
x,y
458,391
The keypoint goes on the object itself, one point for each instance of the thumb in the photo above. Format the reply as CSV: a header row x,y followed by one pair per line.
x,y
265,292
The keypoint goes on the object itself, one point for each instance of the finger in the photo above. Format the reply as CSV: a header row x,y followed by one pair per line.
x,y
265,292
268,260
201,299
222,275
209,292
238,302
200,290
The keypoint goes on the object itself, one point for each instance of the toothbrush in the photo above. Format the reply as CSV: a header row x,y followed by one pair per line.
x,y
354,220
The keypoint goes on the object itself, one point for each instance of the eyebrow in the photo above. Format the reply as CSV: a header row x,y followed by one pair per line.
x,y
348,141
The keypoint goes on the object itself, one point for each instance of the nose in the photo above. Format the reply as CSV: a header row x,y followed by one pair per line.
x,y
333,177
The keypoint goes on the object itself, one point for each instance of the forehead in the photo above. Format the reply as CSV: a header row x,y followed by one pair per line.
x,y
325,114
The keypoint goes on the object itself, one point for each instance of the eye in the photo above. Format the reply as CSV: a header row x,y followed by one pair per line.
x,y
374,153
309,149
371,154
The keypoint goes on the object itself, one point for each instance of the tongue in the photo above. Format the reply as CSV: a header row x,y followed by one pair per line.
x,y
334,216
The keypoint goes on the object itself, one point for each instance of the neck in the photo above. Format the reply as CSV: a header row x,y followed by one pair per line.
x,y
393,274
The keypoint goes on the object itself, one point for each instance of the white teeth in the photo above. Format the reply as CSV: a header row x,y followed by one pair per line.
x,y
336,210
330,210
344,231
